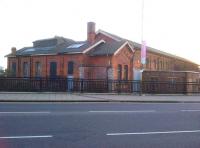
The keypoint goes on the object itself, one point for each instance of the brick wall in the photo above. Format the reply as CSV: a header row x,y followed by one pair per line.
x,y
42,60
164,76
9,65
180,81
124,57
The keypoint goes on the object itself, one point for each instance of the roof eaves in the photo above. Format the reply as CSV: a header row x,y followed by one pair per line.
x,y
32,55
94,45
10,56
73,53
126,43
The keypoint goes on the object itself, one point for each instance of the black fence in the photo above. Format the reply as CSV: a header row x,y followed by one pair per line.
x,y
99,86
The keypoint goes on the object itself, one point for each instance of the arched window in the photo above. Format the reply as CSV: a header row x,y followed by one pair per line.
x,y
155,64
38,69
119,71
53,69
147,63
70,68
125,72
25,69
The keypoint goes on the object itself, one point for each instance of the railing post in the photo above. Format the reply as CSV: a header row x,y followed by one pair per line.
x,y
119,86
140,82
29,83
40,84
81,85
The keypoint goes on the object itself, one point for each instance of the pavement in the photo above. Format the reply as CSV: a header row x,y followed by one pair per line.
x,y
99,125
94,97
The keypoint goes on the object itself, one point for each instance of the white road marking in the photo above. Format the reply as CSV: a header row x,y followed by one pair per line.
x,y
26,137
190,110
114,111
25,112
152,133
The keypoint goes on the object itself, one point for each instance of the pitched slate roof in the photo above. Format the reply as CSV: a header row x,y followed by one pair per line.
x,y
36,51
72,49
107,48
45,46
52,41
138,47
113,36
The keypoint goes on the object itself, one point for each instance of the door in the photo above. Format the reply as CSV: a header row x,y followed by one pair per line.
x,y
70,75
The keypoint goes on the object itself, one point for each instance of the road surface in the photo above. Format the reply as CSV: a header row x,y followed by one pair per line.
x,y
99,125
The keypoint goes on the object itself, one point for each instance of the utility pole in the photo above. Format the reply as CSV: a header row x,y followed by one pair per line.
x,y
143,43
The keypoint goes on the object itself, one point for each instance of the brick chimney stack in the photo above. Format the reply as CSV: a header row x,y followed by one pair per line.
x,y
91,32
13,50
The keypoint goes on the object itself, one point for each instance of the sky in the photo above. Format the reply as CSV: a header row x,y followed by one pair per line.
x,y
172,26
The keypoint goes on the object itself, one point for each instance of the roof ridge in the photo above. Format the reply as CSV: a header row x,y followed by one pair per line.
x,y
166,53
51,38
115,37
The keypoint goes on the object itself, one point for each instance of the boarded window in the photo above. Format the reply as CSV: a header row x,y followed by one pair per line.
x,y
25,69
70,68
119,71
53,69
38,69
125,72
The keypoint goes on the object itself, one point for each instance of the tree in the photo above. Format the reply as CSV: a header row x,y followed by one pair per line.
x,y
7,73
1,72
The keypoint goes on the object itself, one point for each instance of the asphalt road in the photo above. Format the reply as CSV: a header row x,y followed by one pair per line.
x,y
99,125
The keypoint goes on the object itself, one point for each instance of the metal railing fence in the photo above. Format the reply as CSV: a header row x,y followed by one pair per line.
x,y
96,85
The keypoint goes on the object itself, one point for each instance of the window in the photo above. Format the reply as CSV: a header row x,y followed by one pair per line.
x,y
70,68
147,63
155,64
76,45
158,64
119,71
13,70
25,69
167,66
161,65
38,69
125,72
53,69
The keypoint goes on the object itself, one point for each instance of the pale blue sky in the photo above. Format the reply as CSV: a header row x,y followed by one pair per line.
x,y
169,25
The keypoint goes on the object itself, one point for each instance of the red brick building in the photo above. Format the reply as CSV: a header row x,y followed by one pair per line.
x,y
101,56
